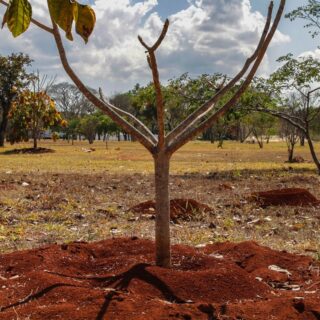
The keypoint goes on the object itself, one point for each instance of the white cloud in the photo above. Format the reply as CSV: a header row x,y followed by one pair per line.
x,y
314,54
208,36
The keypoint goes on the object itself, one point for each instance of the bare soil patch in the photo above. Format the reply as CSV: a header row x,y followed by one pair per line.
x,y
29,151
117,279
180,209
285,197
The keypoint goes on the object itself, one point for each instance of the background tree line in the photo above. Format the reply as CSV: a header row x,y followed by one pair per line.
x,y
285,105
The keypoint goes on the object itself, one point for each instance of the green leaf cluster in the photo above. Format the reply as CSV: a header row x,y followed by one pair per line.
x,y
18,17
310,13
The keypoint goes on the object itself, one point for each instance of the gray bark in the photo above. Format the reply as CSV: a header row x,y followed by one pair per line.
x,y
313,153
163,251
3,127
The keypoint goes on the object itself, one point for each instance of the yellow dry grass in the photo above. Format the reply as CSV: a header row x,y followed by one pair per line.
x,y
131,157
72,194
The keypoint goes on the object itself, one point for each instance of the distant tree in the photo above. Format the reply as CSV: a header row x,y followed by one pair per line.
x,y
13,79
70,101
291,135
72,129
296,81
105,126
88,126
261,126
32,112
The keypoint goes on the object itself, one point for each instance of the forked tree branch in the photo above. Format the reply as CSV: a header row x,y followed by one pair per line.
x,y
35,22
209,105
104,106
135,120
192,132
152,61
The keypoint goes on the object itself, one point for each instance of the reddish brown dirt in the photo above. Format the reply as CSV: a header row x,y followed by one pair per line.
x,y
285,197
116,279
180,209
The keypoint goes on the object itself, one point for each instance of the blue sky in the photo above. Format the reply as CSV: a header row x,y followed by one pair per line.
x,y
205,36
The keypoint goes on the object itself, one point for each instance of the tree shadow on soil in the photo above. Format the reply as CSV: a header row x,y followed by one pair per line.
x,y
122,281
117,284
27,151
38,295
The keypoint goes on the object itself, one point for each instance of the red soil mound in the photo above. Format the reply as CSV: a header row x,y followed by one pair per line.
x,y
285,197
184,209
116,279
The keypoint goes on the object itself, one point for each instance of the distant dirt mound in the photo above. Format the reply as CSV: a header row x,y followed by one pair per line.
x,y
116,279
285,197
29,151
184,209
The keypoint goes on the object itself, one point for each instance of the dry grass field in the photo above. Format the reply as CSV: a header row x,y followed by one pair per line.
x,y
72,194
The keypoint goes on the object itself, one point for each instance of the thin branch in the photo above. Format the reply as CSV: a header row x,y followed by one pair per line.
x,y
36,22
152,61
314,90
315,115
298,89
192,132
135,120
105,107
258,108
160,39
283,116
209,105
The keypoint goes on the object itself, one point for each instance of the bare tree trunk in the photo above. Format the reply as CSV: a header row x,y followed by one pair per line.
x,y
35,142
163,251
313,153
268,139
3,128
260,142
290,152
244,136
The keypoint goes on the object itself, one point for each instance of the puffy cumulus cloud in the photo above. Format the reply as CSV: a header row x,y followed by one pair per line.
x,y
206,37
218,35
